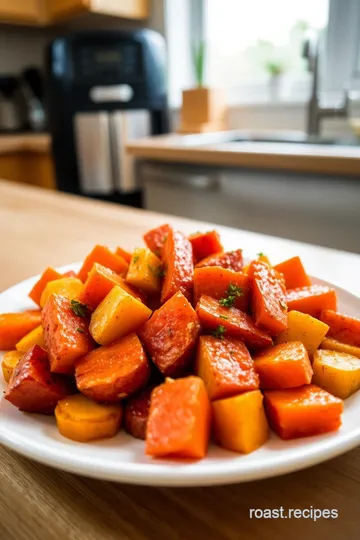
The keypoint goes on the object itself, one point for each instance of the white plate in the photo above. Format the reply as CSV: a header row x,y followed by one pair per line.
x,y
122,458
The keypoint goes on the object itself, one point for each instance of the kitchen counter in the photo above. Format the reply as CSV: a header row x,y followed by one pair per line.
x,y
25,142
37,502
286,156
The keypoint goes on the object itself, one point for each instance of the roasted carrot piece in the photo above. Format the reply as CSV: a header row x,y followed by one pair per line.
x,y
342,327
105,257
284,366
32,388
225,366
233,260
335,345
155,239
268,297
137,413
14,326
205,244
222,284
69,273
234,322
170,335
48,275
99,283
301,412
178,266
311,300
66,334
113,372
294,273
179,419
124,254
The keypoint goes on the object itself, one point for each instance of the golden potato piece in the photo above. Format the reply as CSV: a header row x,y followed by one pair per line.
x,y
35,337
9,362
69,287
336,372
304,328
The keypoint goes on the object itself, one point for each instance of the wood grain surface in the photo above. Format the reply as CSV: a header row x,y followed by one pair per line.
x,y
26,142
39,503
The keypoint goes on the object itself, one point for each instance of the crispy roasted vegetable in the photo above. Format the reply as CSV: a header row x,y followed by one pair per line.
x,y
233,260
80,419
342,327
113,372
124,254
205,244
105,257
311,300
240,423
335,345
69,287
337,372
35,337
294,273
117,315
32,388
304,328
9,362
178,263
145,271
225,366
301,412
230,288
14,326
155,239
179,419
48,275
170,335
137,413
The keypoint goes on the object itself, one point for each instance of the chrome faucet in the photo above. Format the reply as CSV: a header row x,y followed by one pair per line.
x,y
316,112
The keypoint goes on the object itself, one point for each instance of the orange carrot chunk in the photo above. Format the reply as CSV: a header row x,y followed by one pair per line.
x,y
179,419
233,260
14,326
66,334
32,388
311,300
178,266
69,273
155,239
225,366
268,297
231,288
124,254
294,273
170,335
48,275
284,366
234,322
205,244
105,257
301,412
342,327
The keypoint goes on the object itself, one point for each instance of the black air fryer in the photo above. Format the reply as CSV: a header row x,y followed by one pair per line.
x,y
104,88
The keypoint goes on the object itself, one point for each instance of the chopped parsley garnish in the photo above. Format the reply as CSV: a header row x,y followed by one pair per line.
x,y
224,317
219,331
135,259
80,309
158,271
261,254
232,293
80,330
282,305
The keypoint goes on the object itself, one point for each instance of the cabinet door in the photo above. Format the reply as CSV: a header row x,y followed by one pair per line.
x,y
64,9
21,11
131,9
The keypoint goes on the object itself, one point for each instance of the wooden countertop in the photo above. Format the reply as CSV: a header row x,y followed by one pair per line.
x,y
206,150
25,142
39,503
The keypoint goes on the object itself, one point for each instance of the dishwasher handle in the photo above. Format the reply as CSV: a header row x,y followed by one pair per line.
x,y
206,181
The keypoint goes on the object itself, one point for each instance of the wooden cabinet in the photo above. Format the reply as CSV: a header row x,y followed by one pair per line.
x,y
22,11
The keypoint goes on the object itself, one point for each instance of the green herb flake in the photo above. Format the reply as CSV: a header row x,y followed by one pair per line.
x,y
219,332
164,238
135,259
232,293
158,271
80,330
157,253
80,309
261,254
224,317
282,305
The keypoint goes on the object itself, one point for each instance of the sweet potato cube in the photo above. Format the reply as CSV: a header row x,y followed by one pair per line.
x,y
205,244
240,423
48,275
220,283
342,327
335,345
179,419
178,263
236,323
14,326
301,412
105,257
304,328
9,362
170,335
68,287
225,366
137,413
32,388
113,372
311,300
233,260
337,372
268,297
66,334
284,366
145,271
294,273
35,337
117,315
155,239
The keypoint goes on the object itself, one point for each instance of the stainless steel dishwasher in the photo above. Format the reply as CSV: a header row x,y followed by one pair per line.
x,y
319,210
